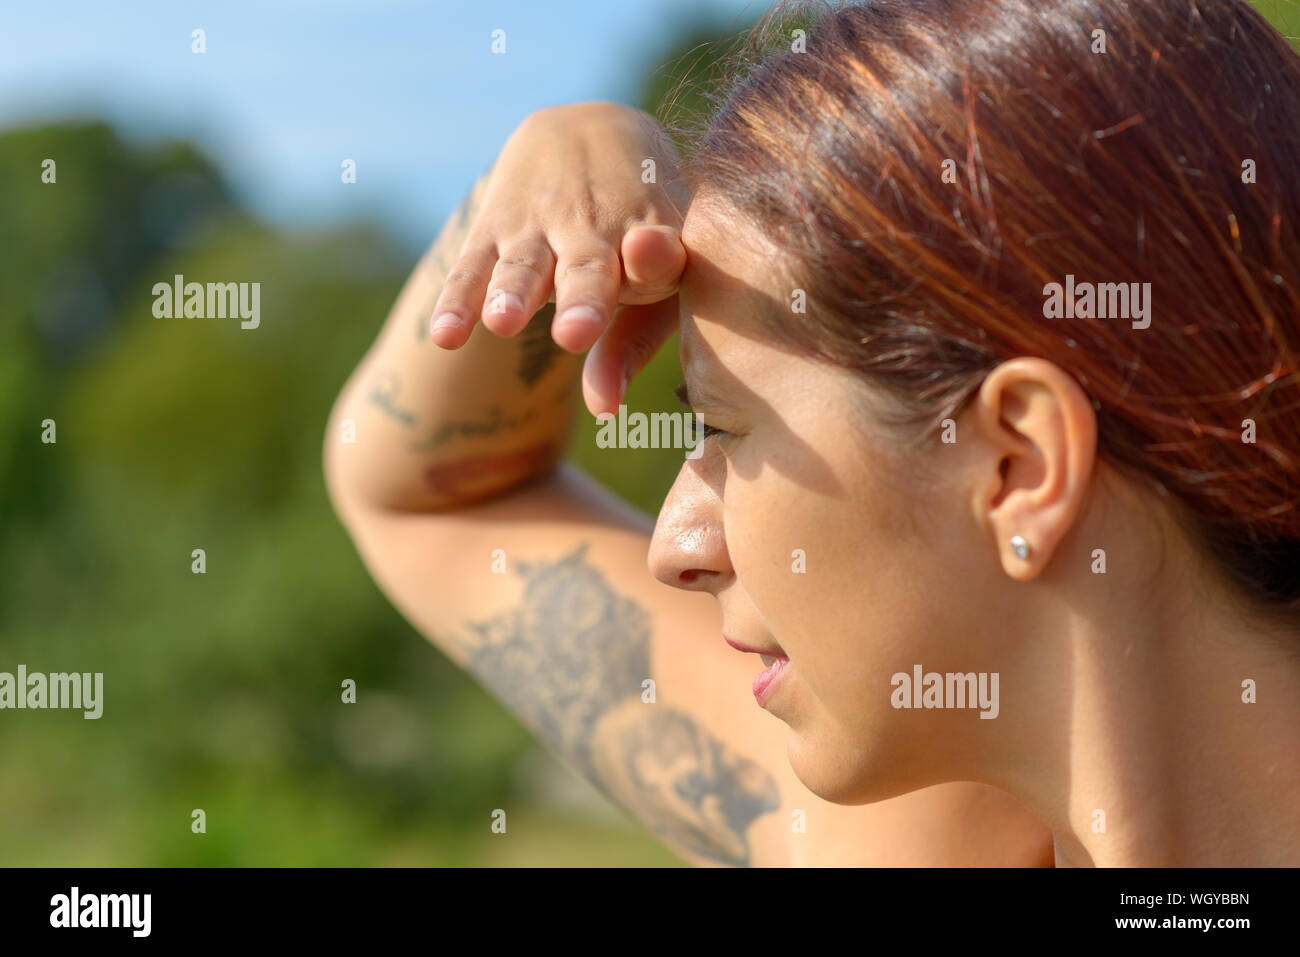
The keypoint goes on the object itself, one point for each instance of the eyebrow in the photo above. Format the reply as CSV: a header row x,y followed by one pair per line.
x,y
701,398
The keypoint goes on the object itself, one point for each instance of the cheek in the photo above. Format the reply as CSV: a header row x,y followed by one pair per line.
x,y
844,583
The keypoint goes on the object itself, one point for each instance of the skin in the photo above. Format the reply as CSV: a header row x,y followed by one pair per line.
x,y
1119,693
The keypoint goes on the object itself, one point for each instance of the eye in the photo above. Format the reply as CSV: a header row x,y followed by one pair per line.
x,y
710,430
705,430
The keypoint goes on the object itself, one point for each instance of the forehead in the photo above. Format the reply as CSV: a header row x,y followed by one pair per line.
x,y
723,299
729,268
699,235
707,289
724,286
713,226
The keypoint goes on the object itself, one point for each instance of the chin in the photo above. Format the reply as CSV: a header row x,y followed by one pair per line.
x,y
841,775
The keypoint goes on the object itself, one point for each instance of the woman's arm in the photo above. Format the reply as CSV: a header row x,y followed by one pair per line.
x,y
565,218
418,427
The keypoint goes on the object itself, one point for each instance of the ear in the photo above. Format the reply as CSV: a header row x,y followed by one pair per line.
x,y
1040,431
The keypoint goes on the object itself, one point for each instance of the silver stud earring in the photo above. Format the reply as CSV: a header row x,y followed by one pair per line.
x,y
1020,547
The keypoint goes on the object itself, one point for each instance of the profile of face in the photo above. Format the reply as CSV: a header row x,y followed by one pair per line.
x,y
821,534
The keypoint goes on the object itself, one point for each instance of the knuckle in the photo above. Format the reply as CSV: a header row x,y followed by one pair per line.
x,y
455,305
589,264
463,276
530,262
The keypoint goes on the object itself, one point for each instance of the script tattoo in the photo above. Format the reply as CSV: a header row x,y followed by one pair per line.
x,y
495,423
384,395
569,661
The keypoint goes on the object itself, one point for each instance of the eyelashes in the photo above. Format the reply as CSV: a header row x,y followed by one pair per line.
x,y
707,430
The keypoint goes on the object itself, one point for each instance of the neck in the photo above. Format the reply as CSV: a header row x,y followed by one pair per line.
x,y
1155,756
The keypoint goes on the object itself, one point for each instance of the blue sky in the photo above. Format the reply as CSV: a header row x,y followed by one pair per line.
x,y
288,88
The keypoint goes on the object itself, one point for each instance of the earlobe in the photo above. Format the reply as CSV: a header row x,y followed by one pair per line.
x,y
1044,434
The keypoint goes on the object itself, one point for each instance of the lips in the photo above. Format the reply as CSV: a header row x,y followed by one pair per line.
x,y
767,682
768,654
776,662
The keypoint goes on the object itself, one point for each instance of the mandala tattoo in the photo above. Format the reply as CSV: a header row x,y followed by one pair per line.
x,y
570,661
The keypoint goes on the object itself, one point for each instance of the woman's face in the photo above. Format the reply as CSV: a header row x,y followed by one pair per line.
x,y
817,538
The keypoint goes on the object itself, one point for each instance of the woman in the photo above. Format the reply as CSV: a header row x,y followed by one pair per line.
x,y
990,308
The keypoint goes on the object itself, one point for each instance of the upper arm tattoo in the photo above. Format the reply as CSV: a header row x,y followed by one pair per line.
x,y
569,661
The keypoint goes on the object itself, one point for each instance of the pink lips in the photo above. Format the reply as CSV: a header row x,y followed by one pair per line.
x,y
767,681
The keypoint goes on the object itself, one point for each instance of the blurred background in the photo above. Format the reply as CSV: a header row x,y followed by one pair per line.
x,y
221,690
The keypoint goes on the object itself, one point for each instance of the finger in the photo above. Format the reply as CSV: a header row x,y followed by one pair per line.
x,y
653,260
636,333
587,276
461,299
520,285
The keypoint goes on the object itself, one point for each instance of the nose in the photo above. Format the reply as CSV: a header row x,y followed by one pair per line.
x,y
689,550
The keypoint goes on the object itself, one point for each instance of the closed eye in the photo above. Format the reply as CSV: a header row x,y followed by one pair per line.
x,y
682,397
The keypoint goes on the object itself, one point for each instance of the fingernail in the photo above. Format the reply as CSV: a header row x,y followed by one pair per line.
x,y
502,301
580,315
448,320
622,389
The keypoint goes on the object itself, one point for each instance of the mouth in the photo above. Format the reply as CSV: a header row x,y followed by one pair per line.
x,y
766,682
774,660
768,654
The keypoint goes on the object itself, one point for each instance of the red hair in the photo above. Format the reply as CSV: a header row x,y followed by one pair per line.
x,y
1128,165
